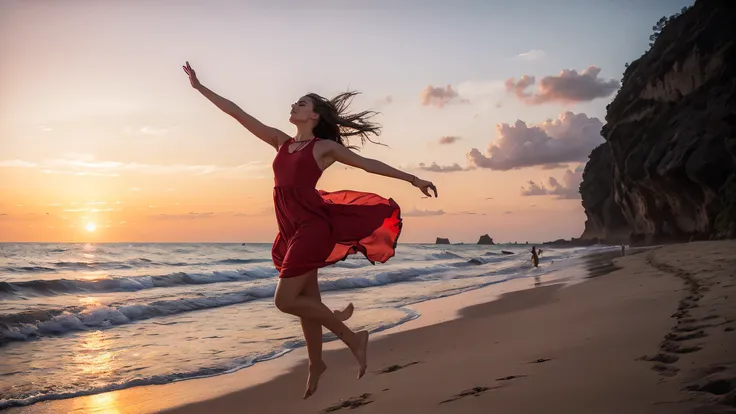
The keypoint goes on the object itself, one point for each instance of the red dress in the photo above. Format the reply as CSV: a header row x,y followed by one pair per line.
x,y
317,228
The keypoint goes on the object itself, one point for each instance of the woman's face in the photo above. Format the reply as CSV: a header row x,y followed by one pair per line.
x,y
303,111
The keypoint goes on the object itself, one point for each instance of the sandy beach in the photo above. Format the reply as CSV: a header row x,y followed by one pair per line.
x,y
653,333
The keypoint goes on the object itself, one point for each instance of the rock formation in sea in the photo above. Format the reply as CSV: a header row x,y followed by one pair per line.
x,y
441,240
667,171
485,239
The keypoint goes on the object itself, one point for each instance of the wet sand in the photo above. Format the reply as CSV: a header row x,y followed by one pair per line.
x,y
652,332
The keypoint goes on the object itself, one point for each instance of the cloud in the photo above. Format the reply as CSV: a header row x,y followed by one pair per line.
x,y
567,87
422,213
449,139
209,214
434,167
17,164
190,216
438,96
569,138
567,189
79,173
149,130
534,54
86,165
555,166
152,130
463,213
533,190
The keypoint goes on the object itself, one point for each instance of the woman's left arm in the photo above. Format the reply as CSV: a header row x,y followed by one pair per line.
x,y
345,156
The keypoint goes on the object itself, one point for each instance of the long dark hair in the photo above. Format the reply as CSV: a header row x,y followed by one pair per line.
x,y
337,125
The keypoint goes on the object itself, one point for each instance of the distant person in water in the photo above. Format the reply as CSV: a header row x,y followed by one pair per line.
x,y
317,228
535,257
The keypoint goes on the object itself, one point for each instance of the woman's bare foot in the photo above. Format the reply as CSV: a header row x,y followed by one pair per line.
x,y
315,371
344,314
360,351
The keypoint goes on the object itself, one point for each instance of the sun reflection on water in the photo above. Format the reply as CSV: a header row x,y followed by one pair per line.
x,y
89,301
95,362
94,359
93,275
106,403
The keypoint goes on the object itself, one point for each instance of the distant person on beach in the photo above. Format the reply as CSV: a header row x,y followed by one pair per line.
x,y
317,228
535,257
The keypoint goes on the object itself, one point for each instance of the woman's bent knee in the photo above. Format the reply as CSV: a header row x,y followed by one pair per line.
x,y
283,303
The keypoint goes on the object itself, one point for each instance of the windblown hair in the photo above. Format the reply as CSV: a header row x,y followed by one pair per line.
x,y
337,125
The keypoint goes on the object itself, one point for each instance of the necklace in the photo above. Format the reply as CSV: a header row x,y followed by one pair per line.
x,y
300,144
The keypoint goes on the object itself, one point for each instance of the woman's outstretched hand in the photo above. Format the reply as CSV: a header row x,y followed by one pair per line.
x,y
192,76
424,186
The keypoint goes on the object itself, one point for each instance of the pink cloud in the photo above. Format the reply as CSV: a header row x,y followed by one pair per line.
x,y
567,87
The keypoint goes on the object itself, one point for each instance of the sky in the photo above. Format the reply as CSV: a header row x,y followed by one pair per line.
x,y
498,103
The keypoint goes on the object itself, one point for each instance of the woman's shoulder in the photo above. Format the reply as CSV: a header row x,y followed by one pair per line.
x,y
326,143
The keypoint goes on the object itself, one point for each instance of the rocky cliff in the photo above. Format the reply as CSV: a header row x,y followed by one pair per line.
x,y
605,221
667,171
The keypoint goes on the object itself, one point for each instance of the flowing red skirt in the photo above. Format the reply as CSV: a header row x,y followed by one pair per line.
x,y
318,228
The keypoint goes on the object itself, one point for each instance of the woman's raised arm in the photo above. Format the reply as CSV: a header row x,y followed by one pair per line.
x,y
267,134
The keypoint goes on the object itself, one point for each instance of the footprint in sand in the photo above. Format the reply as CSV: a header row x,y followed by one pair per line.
x,y
691,328
661,357
475,392
510,377
672,347
716,386
681,314
350,403
665,370
394,368
685,337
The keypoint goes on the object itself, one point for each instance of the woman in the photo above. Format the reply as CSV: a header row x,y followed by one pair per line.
x,y
317,228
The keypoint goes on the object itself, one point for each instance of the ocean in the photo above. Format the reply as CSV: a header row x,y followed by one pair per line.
x,y
80,319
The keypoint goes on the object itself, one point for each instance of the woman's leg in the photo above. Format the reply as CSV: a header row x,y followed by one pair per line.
x,y
313,337
290,299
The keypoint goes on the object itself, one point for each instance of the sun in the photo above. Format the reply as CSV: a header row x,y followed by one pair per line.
x,y
90,227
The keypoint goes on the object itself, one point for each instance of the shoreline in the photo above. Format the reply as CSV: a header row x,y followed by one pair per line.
x,y
509,321
186,374
612,344
269,369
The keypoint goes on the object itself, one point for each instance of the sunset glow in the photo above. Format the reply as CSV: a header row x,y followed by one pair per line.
x,y
118,141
